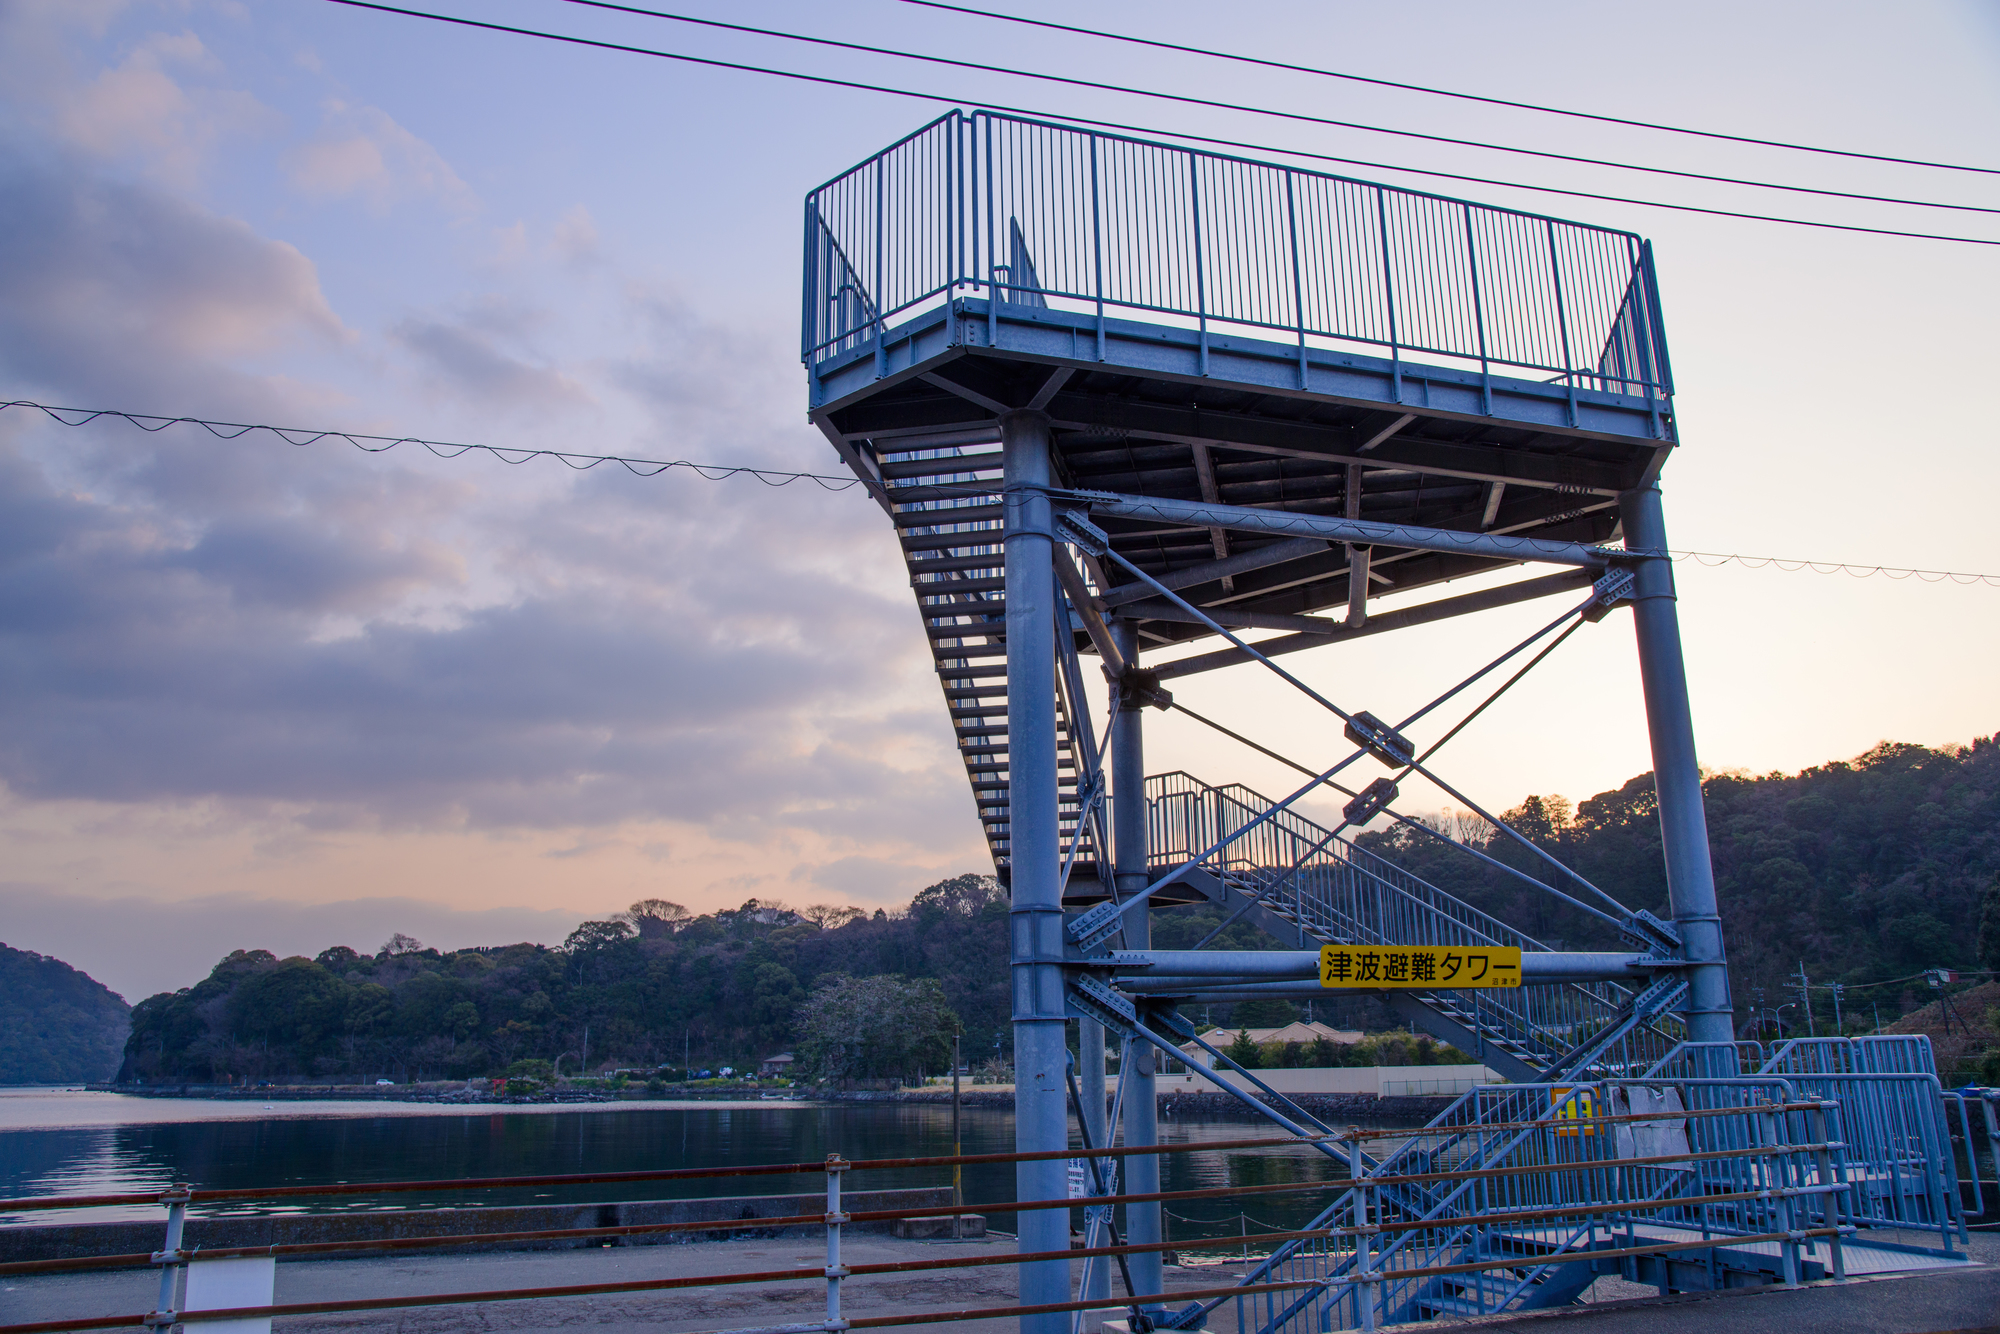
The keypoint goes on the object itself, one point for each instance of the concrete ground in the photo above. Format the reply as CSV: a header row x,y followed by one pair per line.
x,y
1926,1303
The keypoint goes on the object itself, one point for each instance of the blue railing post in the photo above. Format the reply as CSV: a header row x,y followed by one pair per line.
x,y
1389,293
1478,313
1562,319
953,191
1298,289
1656,336
1200,276
1096,245
992,247
881,280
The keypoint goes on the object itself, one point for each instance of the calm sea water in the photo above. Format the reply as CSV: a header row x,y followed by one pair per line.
x,y
63,1142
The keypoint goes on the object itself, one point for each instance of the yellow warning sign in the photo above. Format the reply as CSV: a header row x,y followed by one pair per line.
x,y
1438,967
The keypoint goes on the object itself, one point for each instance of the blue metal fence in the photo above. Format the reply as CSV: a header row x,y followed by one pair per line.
x,y
1042,214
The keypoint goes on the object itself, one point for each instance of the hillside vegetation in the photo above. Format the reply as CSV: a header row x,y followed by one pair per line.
x,y
1870,870
57,1025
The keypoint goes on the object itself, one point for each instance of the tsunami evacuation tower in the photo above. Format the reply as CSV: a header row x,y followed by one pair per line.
x,y
1118,398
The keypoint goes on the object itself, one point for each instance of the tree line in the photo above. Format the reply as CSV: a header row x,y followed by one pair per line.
x,y
1872,870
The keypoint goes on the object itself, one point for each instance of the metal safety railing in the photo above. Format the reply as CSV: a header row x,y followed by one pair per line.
x,y
1522,1194
1893,1115
1368,1247
1033,213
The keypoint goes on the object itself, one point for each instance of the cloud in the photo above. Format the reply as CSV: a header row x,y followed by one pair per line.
x,y
468,361
120,292
279,563
246,663
362,152
574,237
136,111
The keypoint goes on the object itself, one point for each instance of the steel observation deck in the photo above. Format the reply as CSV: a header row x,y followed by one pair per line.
x,y
1206,330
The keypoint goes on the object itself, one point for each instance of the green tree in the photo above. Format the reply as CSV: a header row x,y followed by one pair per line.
x,y
882,1027
1245,1052
1989,926
775,995
56,1024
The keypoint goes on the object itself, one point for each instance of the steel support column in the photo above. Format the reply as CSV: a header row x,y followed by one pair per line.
x,y
1041,1111
1128,834
1676,774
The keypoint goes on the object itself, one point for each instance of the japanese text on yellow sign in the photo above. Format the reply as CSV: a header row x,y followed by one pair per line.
x,y
1372,967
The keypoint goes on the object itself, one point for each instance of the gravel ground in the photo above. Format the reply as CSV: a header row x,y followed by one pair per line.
x,y
1921,1304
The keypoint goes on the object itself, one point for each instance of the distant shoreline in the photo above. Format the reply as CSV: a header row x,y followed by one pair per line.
x,y
1365,1105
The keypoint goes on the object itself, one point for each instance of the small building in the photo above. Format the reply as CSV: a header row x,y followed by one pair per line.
x,y
781,1064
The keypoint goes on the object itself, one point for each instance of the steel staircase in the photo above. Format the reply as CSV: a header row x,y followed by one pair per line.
x,y
1544,1264
1305,885
952,546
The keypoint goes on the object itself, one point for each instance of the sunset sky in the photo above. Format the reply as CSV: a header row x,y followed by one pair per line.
x,y
256,695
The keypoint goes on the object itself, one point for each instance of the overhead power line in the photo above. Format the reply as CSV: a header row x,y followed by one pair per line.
x,y
1452,93
1793,564
301,436
1123,127
1216,104
445,449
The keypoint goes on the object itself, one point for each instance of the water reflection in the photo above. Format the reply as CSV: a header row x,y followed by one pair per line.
x,y
403,1142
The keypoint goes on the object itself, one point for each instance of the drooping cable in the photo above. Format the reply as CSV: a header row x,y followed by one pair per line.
x,y
300,437
1127,127
1453,93
1216,104
375,444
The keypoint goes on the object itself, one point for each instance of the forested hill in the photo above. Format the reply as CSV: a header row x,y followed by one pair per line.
x,y
57,1025
649,987
1869,870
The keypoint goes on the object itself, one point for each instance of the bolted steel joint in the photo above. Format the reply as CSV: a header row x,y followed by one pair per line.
x,y
1382,741
1370,802
1139,688
1617,586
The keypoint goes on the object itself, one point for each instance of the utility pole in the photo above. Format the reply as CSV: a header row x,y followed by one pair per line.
x,y
1805,999
957,1149
1877,1006
1836,988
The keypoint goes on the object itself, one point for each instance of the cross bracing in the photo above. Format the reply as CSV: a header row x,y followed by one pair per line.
x,y
1122,400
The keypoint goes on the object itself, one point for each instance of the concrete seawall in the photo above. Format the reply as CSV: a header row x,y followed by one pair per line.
x,y
64,1241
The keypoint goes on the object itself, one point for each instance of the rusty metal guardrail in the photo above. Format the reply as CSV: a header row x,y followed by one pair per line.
x,y
1369,1233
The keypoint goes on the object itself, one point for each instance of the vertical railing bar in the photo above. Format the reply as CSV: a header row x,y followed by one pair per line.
x,y
1562,322
1201,279
1097,243
881,282
1642,331
1298,288
1478,313
811,284
992,246
1389,293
